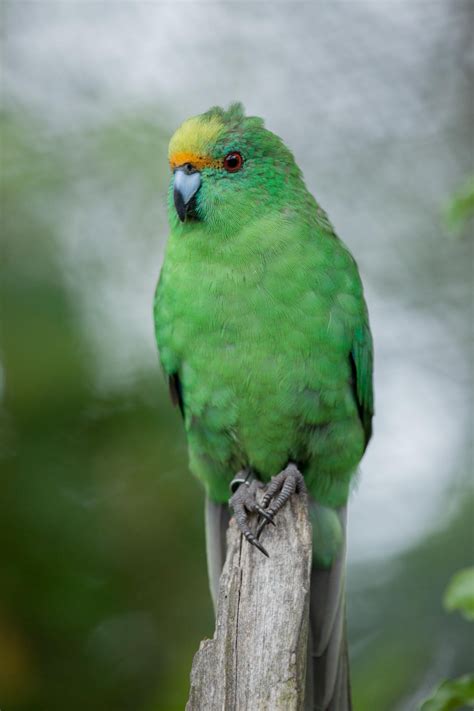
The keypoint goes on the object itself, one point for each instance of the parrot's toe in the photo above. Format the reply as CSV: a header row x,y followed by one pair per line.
x,y
244,502
282,487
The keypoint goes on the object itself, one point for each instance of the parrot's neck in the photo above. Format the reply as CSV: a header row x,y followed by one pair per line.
x,y
245,250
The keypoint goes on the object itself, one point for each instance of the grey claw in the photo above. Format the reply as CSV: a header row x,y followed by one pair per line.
x,y
243,501
282,486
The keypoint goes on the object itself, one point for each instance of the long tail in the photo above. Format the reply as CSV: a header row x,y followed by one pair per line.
x,y
327,673
217,517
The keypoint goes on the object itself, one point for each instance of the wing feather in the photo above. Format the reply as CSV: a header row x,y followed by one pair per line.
x,y
176,391
362,361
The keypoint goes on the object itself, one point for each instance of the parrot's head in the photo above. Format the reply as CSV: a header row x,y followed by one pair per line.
x,y
227,169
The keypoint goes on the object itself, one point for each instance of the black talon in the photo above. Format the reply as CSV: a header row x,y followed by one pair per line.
x,y
267,518
253,541
265,514
261,526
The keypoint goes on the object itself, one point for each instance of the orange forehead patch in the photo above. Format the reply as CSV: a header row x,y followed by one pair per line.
x,y
198,161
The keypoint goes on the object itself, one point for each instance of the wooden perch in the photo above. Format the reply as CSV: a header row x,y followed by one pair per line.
x,y
256,660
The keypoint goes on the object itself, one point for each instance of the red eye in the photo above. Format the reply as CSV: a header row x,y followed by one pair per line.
x,y
233,162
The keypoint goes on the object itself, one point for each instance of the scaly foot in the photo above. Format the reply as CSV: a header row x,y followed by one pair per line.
x,y
244,501
283,485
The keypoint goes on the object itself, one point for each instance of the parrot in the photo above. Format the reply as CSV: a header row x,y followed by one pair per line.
x,y
263,335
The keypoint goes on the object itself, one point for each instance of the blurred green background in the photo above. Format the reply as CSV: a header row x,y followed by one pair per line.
x,y
103,589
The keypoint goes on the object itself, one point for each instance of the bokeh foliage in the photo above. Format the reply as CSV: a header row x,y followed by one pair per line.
x,y
456,693
103,586
101,532
103,590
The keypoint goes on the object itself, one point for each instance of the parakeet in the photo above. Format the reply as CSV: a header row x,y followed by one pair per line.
x,y
263,333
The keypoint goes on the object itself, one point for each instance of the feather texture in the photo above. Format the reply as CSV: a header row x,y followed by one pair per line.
x,y
263,332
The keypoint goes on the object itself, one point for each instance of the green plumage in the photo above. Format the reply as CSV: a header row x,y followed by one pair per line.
x,y
263,332
261,321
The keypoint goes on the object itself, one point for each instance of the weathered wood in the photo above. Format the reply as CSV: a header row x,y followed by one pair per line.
x,y
256,660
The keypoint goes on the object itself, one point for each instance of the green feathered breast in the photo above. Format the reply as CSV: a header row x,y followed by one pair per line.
x,y
260,319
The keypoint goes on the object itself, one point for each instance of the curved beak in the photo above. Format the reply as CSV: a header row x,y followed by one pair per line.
x,y
185,186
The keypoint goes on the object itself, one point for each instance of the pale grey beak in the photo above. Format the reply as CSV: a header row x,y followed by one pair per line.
x,y
186,184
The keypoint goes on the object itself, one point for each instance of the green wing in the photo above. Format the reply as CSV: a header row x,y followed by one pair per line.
x,y
363,362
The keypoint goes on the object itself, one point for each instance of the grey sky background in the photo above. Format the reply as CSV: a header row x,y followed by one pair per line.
x,y
374,98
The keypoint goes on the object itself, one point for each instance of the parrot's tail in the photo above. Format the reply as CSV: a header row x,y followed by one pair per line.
x,y
327,672
217,517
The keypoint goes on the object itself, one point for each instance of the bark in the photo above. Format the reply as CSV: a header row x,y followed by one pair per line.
x,y
257,657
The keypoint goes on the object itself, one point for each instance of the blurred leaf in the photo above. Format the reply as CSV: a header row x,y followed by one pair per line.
x,y
452,695
461,207
460,593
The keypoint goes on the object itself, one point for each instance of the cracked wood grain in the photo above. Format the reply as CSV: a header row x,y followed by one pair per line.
x,y
256,660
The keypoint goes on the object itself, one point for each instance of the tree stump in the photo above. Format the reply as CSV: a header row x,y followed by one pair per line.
x,y
256,660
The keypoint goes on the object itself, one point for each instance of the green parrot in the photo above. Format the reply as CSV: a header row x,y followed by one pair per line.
x,y
263,333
